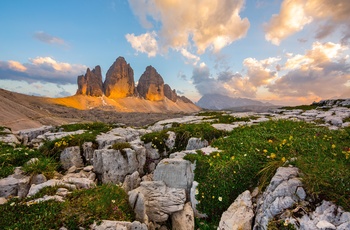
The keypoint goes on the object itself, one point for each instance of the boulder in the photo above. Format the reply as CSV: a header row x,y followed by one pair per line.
x,y
118,225
88,152
90,84
196,143
151,85
284,190
35,132
239,215
131,182
154,201
14,185
34,189
38,179
184,219
113,165
326,216
119,82
71,157
175,173
7,136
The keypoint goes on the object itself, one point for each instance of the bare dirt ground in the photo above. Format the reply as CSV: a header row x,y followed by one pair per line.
x,y
19,111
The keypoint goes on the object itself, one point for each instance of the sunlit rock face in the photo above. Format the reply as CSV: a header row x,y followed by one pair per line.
x,y
119,81
91,83
170,94
151,85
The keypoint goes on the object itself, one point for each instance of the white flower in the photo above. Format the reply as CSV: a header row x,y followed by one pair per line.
x,y
220,198
12,204
113,201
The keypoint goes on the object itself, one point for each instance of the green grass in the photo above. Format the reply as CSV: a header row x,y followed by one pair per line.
x,y
183,133
44,165
224,118
252,154
81,209
55,147
302,107
11,157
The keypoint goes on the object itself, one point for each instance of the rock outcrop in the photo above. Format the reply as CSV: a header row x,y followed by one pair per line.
x,y
90,84
151,85
170,94
119,81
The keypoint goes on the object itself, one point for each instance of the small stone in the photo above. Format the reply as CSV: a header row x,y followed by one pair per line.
x,y
88,168
325,225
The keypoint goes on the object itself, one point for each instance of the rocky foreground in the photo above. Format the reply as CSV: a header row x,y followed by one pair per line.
x,y
163,189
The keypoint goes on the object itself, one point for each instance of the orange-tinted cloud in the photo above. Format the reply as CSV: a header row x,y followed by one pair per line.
x,y
207,23
330,15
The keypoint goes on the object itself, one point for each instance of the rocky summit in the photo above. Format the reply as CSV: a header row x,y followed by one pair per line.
x,y
119,81
120,92
91,83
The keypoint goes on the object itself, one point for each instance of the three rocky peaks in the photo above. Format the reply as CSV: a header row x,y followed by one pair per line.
x,y
119,83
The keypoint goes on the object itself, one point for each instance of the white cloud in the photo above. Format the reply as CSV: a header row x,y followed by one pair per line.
x,y
191,58
210,24
43,69
322,72
328,15
47,38
144,43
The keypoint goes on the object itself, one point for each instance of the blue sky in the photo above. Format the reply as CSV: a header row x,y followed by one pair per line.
x,y
281,51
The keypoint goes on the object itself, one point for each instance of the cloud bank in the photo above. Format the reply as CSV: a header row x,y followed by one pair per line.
x,y
206,24
41,69
328,15
322,72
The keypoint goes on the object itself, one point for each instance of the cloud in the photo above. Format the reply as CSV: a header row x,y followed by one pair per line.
x,y
144,43
49,39
206,23
328,15
258,74
43,69
191,58
322,72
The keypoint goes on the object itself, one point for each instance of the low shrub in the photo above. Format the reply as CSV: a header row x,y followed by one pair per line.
x,y
43,165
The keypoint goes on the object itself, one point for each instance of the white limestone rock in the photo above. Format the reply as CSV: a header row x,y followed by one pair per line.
x,y
118,225
70,156
184,219
113,165
196,143
175,173
131,182
225,127
170,142
284,190
34,189
35,132
14,185
154,201
239,215
88,152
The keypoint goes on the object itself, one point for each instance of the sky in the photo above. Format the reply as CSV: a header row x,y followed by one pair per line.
x,y
286,52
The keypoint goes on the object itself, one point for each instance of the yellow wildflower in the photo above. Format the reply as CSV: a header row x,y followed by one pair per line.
x,y
265,151
273,156
270,141
233,157
213,197
333,146
283,159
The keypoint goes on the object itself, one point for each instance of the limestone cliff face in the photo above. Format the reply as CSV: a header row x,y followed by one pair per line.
x,y
91,83
170,94
119,81
151,85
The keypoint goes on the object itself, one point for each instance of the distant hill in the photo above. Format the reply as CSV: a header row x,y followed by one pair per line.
x,y
222,102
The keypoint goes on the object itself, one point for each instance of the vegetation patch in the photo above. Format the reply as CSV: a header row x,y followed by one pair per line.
x,y
43,165
81,209
252,154
11,157
55,147
158,140
302,107
224,118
